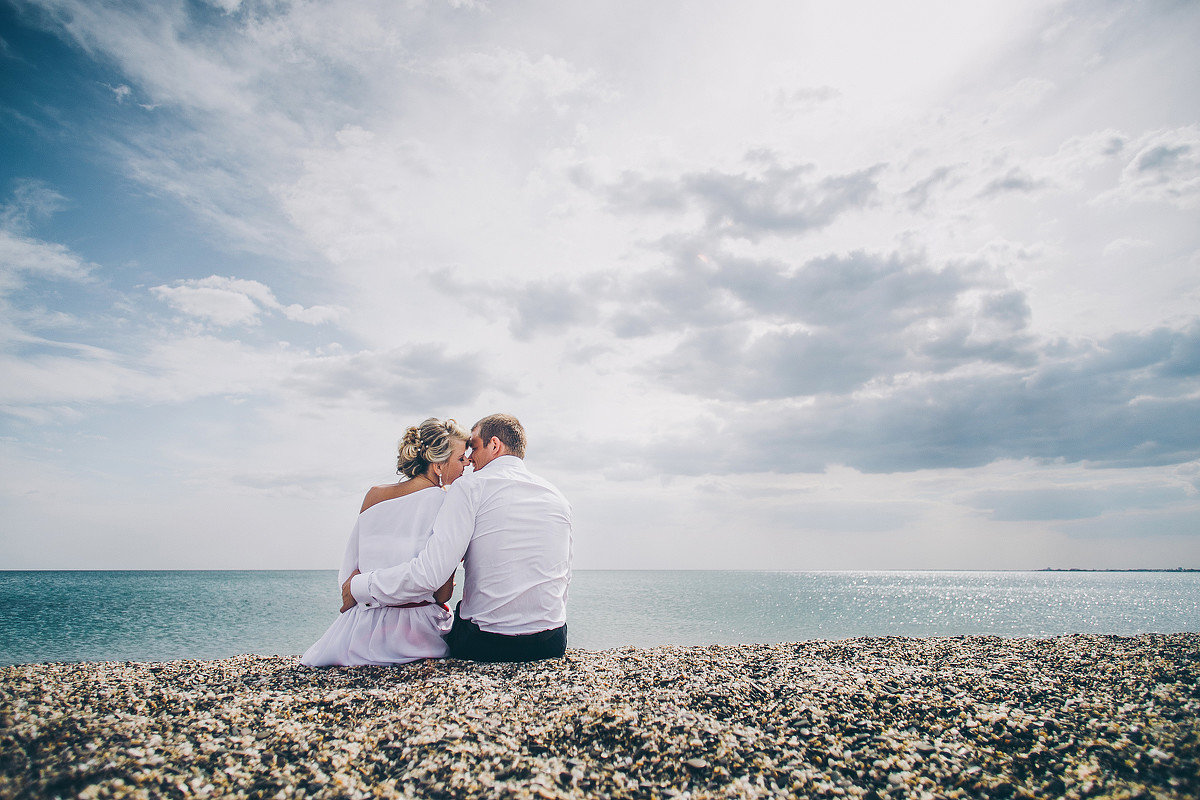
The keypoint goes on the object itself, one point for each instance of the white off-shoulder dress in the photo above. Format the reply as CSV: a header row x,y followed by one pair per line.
x,y
386,534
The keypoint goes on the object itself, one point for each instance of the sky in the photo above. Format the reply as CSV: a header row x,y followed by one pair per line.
x,y
771,285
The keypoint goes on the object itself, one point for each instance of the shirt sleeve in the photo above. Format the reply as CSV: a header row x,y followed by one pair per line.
x,y
418,578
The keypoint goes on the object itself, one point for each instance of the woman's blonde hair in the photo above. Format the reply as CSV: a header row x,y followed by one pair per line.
x,y
431,442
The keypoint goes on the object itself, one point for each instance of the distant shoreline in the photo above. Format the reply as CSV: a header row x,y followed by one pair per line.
x,y
1143,569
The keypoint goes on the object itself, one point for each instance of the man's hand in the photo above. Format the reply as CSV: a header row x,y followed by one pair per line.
x,y
348,601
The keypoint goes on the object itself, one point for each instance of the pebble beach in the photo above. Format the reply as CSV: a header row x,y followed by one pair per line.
x,y
1074,716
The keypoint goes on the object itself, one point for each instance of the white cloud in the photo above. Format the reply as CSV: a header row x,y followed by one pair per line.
x,y
219,306
1023,96
32,200
1091,151
47,380
1015,179
121,92
313,315
232,301
1164,166
766,198
511,79
1125,244
22,257
1076,502
228,6
804,98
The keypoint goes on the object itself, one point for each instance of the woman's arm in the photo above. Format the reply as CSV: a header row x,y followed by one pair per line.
x,y
443,594
348,601
350,557
349,566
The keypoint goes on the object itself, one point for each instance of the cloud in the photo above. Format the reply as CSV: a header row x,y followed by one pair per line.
x,y
534,308
1164,167
766,198
1017,179
312,315
172,369
238,101
755,328
1088,152
121,92
920,193
354,201
1025,95
759,329
549,306
23,256
415,377
1141,525
732,363
226,301
804,99
219,306
1131,400
1126,244
511,80
52,380
849,517
1074,502
228,6
32,201
182,368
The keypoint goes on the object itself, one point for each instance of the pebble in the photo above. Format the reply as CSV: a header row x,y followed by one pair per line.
x,y
1074,716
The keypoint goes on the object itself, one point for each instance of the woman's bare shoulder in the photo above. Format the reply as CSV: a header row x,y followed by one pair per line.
x,y
389,491
377,494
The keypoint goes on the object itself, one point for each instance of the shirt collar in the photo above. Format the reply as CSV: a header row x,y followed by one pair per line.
x,y
504,462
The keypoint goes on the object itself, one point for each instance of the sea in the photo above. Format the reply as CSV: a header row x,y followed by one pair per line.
x,y
161,616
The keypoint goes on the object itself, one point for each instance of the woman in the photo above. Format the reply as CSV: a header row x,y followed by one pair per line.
x,y
392,527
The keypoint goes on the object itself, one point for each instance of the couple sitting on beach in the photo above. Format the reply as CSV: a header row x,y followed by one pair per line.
x,y
510,528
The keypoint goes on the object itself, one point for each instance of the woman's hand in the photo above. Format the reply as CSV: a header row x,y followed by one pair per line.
x,y
348,601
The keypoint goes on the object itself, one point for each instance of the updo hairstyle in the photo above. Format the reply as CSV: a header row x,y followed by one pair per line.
x,y
431,442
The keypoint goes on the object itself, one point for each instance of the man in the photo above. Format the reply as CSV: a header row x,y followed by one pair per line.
x,y
512,531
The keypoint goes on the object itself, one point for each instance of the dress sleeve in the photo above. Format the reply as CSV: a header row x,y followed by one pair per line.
x,y
350,559
418,578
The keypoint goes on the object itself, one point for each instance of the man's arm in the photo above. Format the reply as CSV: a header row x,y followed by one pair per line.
x,y
418,579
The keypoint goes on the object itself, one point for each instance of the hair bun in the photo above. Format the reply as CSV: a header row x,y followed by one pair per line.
x,y
429,442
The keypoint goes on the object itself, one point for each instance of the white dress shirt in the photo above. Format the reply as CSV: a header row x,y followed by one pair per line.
x,y
512,531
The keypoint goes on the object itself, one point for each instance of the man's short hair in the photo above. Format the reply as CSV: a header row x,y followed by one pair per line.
x,y
506,428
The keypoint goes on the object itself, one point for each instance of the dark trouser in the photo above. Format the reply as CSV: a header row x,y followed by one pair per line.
x,y
467,641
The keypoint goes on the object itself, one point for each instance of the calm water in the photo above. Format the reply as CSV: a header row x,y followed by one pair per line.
x,y
156,616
